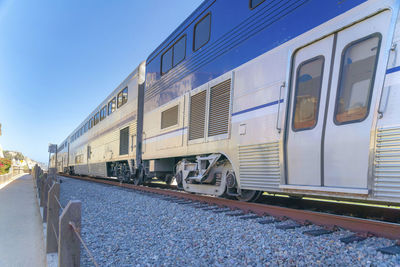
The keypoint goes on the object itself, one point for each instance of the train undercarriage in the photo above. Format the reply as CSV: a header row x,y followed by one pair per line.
x,y
210,174
206,174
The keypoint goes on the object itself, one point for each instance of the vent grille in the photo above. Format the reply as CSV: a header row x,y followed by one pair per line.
x,y
387,163
124,141
197,115
169,117
259,166
219,108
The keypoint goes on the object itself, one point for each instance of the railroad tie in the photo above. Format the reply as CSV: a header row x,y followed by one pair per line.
x,y
392,250
212,208
235,213
268,221
288,226
318,232
352,238
221,210
201,206
249,217
185,202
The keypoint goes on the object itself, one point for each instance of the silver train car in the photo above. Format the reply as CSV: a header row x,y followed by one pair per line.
x,y
286,97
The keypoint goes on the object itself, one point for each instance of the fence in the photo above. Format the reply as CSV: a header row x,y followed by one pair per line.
x,y
14,170
6,177
62,231
19,170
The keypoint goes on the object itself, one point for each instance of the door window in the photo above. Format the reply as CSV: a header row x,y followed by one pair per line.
x,y
308,91
356,80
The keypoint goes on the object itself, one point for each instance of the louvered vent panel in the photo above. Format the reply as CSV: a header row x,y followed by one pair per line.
x,y
259,166
124,141
197,115
219,108
169,117
387,163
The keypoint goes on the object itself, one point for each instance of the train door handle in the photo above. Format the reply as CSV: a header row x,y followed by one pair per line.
x,y
133,139
278,127
384,101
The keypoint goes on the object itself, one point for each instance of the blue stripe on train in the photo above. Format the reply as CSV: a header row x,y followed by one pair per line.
x,y
395,69
257,107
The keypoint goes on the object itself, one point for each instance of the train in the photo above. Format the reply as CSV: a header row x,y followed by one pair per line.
x,y
291,97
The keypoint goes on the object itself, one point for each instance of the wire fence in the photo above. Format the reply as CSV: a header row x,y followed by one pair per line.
x,y
61,221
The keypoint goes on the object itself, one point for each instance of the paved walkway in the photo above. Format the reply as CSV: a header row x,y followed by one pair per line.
x,y
21,232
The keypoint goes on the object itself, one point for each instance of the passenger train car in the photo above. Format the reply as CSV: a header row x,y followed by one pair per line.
x,y
296,97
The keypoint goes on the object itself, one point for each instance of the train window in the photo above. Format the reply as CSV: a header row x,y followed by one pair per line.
x,y
90,123
202,31
307,94
166,61
359,60
103,113
174,55
169,117
112,106
96,118
255,3
122,97
179,50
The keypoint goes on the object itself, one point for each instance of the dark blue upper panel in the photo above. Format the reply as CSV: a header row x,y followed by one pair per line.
x,y
238,34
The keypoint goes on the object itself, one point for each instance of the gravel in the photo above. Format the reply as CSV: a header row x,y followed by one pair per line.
x,y
125,228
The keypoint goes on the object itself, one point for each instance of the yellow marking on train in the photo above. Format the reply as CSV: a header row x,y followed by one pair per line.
x,y
339,201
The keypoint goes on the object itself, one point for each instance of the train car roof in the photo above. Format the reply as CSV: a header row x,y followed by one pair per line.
x,y
113,93
176,33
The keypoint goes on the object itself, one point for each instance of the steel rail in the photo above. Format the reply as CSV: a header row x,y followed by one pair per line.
x,y
358,225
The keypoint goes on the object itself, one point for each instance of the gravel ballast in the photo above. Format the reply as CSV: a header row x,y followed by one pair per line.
x,y
124,228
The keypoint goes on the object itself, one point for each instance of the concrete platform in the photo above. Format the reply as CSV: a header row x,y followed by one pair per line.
x,y
21,229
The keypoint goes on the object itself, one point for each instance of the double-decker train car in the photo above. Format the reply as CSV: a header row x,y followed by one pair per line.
x,y
102,145
297,97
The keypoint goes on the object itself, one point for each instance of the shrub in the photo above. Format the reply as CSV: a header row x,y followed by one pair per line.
x,y
5,165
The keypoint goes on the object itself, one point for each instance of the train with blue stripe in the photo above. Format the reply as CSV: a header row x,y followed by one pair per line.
x,y
294,97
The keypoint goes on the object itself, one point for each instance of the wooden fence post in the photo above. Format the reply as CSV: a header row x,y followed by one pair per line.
x,y
69,246
48,182
53,213
52,173
37,177
42,190
35,171
40,179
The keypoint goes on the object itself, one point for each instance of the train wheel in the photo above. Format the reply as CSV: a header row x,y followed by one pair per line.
x,y
139,177
178,178
168,179
249,195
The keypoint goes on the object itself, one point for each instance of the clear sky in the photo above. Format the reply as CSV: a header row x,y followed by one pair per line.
x,y
60,59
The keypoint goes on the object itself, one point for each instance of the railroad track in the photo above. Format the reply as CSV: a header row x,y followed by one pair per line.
x,y
362,228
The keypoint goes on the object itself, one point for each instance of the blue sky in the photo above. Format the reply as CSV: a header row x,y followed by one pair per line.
x,y
60,59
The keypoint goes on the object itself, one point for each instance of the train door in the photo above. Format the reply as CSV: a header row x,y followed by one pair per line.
x,y
332,106
352,102
309,88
